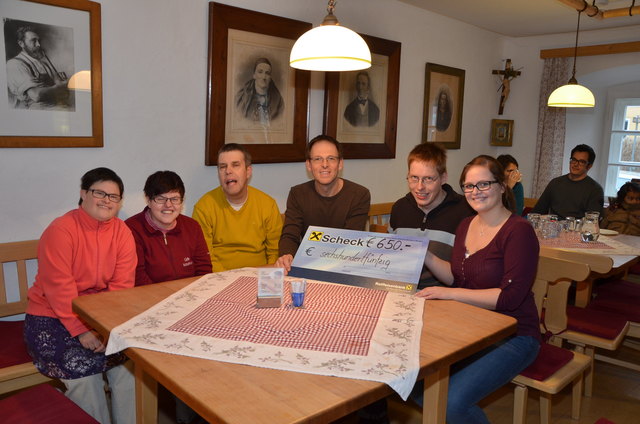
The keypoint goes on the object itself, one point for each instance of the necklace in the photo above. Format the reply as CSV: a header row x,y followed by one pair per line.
x,y
482,228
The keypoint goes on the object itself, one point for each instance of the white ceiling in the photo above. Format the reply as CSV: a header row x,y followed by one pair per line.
x,y
521,18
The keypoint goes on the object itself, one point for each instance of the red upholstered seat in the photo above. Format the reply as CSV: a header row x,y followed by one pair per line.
x,y
549,360
42,404
595,322
12,349
619,289
624,307
635,269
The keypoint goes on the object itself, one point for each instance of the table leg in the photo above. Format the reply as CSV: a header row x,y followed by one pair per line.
x,y
436,386
583,292
146,397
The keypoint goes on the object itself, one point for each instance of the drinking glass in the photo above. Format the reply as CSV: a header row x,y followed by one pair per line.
x,y
590,228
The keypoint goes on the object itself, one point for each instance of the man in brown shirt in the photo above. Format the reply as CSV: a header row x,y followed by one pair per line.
x,y
326,201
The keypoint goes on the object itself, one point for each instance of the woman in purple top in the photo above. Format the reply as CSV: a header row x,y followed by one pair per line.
x,y
493,266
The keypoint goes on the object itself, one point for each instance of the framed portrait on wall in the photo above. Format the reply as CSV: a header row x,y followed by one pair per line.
x,y
501,132
254,97
361,107
443,99
51,76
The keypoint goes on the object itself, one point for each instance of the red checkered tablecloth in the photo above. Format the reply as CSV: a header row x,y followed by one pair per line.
x,y
336,318
342,331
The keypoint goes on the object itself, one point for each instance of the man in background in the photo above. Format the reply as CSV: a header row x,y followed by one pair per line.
x,y
241,224
575,193
431,208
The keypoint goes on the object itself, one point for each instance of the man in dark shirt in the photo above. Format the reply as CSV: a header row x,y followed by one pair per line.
x,y
575,193
431,208
326,201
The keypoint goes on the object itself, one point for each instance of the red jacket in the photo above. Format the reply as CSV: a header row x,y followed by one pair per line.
x,y
79,255
181,253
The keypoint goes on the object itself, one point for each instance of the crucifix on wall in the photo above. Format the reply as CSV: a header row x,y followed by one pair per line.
x,y
508,73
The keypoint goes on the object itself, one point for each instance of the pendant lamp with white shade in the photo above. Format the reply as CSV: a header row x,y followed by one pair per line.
x,y
572,94
330,47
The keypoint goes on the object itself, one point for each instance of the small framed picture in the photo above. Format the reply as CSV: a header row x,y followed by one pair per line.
x,y
501,132
443,98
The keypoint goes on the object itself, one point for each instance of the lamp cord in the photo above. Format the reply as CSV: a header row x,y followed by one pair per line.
x,y
575,50
633,3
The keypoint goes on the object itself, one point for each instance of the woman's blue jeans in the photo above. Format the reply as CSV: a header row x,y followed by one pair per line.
x,y
479,375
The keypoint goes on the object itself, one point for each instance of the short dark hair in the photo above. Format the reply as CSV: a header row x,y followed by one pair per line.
x,y
627,187
323,137
492,164
585,148
429,152
505,160
230,147
21,32
163,182
366,74
97,175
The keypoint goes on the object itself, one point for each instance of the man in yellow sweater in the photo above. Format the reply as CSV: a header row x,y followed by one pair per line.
x,y
241,224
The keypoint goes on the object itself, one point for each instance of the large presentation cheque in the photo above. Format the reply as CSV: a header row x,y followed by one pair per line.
x,y
380,261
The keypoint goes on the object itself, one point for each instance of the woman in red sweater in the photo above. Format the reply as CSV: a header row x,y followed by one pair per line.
x,y
87,250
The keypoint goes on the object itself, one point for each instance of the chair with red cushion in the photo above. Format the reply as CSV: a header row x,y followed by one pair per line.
x,y
16,369
554,367
585,328
42,404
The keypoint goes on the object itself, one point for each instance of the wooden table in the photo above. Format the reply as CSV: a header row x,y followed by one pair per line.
x,y
230,393
613,265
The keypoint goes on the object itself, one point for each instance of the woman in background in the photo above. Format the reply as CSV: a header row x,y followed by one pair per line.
x,y
513,178
493,266
170,245
87,250
623,215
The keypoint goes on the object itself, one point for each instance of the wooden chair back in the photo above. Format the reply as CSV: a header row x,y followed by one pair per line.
x,y
598,263
18,252
379,214
551,289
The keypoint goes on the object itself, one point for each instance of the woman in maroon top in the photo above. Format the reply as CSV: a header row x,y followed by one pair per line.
x,y
169,245
493,266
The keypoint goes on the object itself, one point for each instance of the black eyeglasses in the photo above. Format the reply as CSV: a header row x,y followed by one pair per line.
x,y
99,194
582,162
480,185
161,200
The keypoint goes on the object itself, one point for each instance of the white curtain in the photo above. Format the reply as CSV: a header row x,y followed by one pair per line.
x,y
551,126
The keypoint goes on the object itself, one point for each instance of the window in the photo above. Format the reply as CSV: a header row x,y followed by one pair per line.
x,y
624,147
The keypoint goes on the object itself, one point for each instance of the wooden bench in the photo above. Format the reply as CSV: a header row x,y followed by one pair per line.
x,y
22,375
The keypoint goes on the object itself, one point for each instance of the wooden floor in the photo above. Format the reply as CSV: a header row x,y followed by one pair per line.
x,y
616,398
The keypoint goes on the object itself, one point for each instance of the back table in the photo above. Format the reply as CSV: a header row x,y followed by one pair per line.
x,y
231,393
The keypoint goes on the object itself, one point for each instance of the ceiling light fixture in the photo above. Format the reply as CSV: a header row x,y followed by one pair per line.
x,y
573,94
330,47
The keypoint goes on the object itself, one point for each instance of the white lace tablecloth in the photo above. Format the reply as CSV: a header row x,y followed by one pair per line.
x,y
342,330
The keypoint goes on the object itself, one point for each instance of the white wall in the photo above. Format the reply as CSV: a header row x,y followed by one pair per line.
x,y
154,81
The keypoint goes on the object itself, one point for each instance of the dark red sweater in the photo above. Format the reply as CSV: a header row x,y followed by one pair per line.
x,y
181,253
